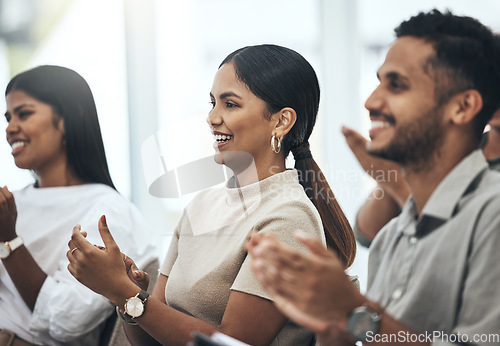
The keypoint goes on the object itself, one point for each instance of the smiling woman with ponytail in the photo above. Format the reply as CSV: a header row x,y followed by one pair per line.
x,y
285,79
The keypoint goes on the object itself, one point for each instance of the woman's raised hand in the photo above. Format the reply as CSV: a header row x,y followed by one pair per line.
x,y
8,215
103,270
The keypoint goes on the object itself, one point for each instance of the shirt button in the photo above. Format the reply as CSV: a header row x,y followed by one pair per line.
x,y
397,294
413,240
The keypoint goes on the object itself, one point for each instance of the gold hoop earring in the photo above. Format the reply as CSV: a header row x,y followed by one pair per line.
x,y
273,147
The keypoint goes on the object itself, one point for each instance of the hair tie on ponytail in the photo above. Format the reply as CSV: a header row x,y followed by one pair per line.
x,y
302,152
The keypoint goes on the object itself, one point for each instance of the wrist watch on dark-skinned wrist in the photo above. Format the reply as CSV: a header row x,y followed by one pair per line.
x,y
364,321
8,247
134,306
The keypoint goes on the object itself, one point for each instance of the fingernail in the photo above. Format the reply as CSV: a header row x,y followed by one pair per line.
x,y
103,220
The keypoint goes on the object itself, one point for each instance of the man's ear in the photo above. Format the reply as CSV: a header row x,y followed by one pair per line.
x,y
466,105
284,119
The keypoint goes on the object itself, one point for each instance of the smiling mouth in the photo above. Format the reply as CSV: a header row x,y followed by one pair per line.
x,y
222,138
17,146
379,124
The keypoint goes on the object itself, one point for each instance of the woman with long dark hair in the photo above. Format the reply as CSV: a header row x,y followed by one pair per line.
x,y
265,101
54,131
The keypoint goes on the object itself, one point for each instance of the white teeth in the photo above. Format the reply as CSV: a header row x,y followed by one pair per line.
x,y
16,145
221,138
376,124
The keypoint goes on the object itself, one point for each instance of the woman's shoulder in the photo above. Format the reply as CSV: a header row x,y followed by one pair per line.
x,y
289,198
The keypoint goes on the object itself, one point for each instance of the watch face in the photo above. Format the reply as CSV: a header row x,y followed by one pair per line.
x,y
362,322
4,251
134,307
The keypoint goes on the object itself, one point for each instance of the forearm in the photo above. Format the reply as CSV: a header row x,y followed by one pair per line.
x,y
396,187
27,276
137,336
378,209
335,337
160,323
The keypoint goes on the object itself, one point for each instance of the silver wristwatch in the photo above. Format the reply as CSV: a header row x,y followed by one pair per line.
x,y
363,322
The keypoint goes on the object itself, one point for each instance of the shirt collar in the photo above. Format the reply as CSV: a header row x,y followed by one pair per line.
x,y
443,201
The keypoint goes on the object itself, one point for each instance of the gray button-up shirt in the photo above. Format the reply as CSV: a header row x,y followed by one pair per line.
x,y
439,273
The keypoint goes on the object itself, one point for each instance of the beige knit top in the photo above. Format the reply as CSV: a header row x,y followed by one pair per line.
x,y
207,259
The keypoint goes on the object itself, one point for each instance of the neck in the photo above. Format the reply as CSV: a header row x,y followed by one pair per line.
x,y
492,148
259,171
423,182
58,174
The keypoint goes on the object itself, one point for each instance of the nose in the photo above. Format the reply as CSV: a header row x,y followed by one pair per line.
x,y
375,101
12,127
213,119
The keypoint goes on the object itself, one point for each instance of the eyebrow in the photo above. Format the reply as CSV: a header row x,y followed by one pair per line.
x,y
394,76
18,108
226,95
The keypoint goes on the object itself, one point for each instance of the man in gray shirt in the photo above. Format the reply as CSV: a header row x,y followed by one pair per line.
x,y
434,276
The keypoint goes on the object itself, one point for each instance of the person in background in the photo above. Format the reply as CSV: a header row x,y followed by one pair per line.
x,y
433,271
388,198
54,131
265,101
491,142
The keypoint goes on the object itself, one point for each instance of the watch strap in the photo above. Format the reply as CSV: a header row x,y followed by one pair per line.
x,y
15,243
11,246
143,295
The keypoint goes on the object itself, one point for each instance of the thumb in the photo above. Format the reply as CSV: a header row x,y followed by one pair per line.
x,y
314,245
139,274
106,236
133,268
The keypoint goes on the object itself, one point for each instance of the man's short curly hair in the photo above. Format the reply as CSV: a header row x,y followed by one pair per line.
x,y
467,56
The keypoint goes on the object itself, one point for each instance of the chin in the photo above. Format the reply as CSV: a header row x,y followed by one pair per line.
x,y
21,164
219,158
373,149
386,152
237,161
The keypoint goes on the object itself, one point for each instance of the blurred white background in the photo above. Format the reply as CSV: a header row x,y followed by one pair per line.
x,y
150,66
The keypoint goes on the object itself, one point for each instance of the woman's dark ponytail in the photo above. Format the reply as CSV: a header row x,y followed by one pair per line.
x,y
338,231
